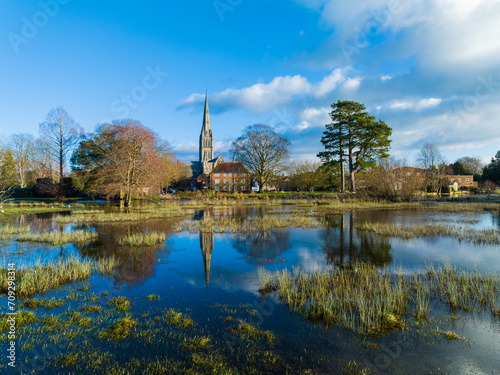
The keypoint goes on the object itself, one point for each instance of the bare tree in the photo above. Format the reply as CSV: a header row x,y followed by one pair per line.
x,y
262,151
23,150
62,134
306,174
434,163
394,180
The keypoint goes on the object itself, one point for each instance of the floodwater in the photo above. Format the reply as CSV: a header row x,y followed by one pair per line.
x,y
212,276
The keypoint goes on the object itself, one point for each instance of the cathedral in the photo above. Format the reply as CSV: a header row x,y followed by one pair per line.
x,y
207,161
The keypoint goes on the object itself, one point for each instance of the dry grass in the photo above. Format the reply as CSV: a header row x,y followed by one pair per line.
x,y
142,239
370,302
60,238
461,233
42,278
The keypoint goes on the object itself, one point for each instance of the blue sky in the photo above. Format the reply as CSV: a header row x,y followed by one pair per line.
x,y
429,68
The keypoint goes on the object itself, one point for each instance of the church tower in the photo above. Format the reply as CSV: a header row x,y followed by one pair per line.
x,y
206,141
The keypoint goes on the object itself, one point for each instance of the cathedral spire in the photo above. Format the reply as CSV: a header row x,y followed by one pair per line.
x,y
206,117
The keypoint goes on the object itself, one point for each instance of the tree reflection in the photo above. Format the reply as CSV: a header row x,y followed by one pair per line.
x,y
343,245
135,264
262,247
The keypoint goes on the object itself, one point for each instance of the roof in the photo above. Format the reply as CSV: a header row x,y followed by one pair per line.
x,y
232,167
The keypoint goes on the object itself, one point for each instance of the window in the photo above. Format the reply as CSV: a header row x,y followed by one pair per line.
x,y
225,174
398,186
467,180
409,174
230,188
243,188
243,181
236,188
235,174
459,180
243,174
230,181
225,181
225,188
216,188
217,181
216,174
452,180
229,174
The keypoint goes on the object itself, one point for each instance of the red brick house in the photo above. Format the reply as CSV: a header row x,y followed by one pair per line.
x,y
230,177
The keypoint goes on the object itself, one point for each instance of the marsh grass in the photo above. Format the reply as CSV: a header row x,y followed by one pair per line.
x,y
10,209
42,278
120,303
372,302
450,335
249,225
178,319
142,239
93,216
9,230
59,238
22,318
460,233
119,330
245,329
196,343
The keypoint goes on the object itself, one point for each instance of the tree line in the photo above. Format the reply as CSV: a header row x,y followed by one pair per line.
x,y
125,159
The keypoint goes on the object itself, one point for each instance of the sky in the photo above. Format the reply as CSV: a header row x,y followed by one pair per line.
x,y
429,68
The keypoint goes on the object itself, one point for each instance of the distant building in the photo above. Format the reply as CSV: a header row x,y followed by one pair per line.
x,y
230,177
461,181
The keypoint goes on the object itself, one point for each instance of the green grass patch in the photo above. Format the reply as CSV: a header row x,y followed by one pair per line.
x,y
119,330
120,303
178,319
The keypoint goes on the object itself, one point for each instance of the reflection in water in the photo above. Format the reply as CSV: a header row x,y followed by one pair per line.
x,y
135,264
207,246
262,247
342,245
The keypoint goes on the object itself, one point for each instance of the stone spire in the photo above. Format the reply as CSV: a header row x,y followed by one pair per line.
x,y
206,117
206,141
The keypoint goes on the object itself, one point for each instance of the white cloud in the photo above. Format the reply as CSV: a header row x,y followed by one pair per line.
x,y
415,105
330,82
352,83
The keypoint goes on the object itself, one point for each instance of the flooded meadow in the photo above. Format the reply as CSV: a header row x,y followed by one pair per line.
x,y
296,288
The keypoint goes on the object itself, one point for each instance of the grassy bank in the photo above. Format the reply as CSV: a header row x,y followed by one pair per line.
x,y
373,303
461,233
142,239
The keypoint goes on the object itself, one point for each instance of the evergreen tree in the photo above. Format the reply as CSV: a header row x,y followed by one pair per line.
x,y
354,138
8,171
492,171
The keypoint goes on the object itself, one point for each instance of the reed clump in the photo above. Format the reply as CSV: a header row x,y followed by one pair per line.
x,y
120,303
119,330
372,302
461,233
59,238
9,230
142,239
40,278
177,319
249,225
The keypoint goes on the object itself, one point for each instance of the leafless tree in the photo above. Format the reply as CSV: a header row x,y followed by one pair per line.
x,y
62,134
306,174
393,180
262,151
434,163
23,151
